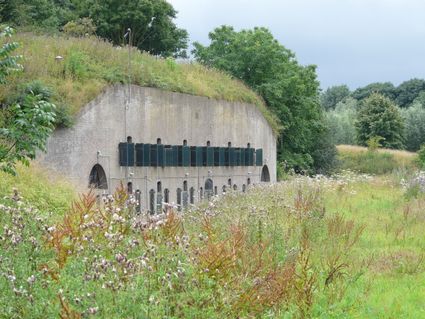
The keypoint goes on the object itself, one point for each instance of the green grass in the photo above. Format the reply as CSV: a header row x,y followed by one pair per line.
x,y
381,161
91,64
43,189
392,248
345,247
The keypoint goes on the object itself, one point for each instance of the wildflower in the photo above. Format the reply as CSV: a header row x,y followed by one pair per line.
x,y
31,280
51,229
93,310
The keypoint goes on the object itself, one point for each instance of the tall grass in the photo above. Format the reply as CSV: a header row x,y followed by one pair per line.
x,y
231,258
46,190
381,161
344,247
91,64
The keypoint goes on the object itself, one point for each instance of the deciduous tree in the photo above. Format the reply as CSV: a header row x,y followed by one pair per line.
x,y
379,116
408,91
28,123
289,89
333,95
151,23
387,89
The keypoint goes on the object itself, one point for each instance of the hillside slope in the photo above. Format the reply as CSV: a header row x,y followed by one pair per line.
x,y
87,65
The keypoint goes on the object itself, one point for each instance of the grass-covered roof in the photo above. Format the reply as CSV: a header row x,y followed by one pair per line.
x,y
88,65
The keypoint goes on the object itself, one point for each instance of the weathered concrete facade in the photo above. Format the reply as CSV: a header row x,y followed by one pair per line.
x,y
172,117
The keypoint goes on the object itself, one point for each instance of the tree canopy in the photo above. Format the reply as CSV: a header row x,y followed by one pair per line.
x,y
408,91
29,122
385,88
333,95
151,21
289,89
380,117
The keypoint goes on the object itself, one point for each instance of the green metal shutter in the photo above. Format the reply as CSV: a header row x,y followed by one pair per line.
x,y
216,156
232,156
204,155
168,156
122,154
227,156
186,156
251,156
221,156
199,157
243,156
179,155
161,155
210,156
237,157
175,156
259,157
192,155
139,154
126,154
130,154
146,154
154,155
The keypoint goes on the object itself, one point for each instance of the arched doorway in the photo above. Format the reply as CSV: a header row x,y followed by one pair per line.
x,y
152,201
97,178
192,195
166,196
209,188
179,199
265,175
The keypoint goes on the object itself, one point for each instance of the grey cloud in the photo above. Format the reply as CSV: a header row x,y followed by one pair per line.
x,y
351,41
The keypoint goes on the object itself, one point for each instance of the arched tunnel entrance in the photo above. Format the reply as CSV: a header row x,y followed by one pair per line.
x,y
265,175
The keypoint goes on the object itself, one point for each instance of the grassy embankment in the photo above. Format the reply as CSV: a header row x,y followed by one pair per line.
x,y
44,190
90,64
347,247
381,161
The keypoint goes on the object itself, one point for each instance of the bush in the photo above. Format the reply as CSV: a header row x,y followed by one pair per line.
x,y
421,156
414,185
80,28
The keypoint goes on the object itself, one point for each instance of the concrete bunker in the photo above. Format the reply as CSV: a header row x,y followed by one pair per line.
x,y
206,147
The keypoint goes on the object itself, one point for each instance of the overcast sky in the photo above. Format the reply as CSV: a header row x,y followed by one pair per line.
x,y
353,42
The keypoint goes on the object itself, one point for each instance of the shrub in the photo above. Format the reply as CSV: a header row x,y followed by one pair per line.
x,y
421,156
414,185
374,143
79,28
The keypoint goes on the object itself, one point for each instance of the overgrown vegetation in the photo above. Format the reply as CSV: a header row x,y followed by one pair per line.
x,y
309,247
90,64
378,161
28,121
151,21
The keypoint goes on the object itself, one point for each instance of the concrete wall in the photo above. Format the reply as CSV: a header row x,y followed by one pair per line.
x,y
152,114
